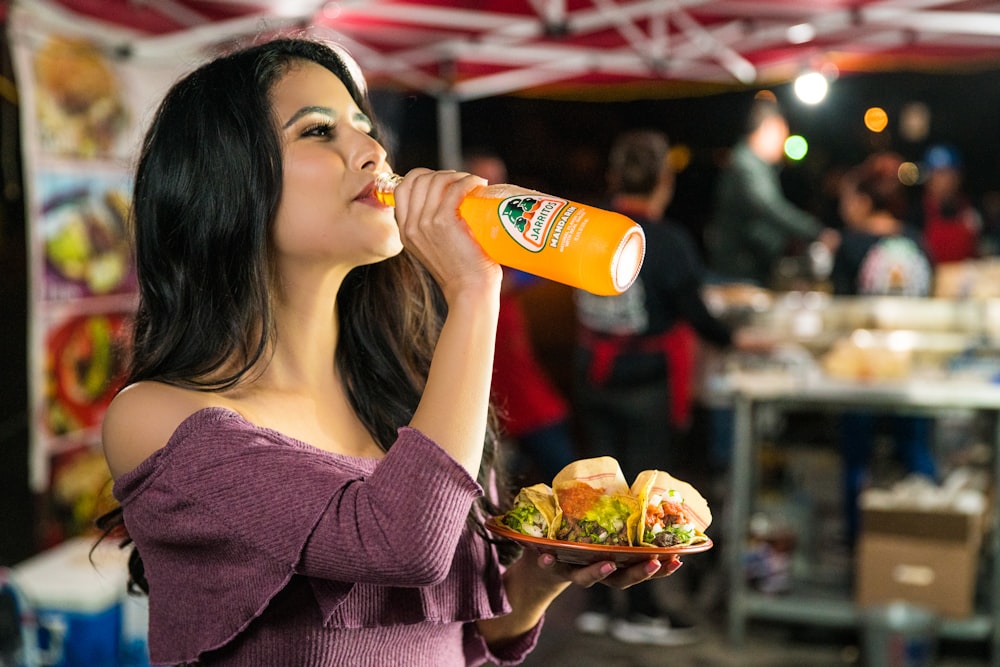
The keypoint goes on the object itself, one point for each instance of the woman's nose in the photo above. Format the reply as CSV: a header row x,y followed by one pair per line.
x,y
368,153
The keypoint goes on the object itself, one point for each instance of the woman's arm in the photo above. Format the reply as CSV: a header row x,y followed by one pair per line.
x,y
453,408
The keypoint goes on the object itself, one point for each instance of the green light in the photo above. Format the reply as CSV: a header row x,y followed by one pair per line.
x,y
796,147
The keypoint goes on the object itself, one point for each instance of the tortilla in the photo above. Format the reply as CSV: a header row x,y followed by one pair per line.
x,y
673,512
593,503
533,512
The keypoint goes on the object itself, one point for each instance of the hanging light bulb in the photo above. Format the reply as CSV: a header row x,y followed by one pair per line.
x,y
811,87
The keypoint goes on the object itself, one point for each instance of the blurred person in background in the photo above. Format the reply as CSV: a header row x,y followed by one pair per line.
x,y
989,239
951,225
534,414
753,223
879,255
635,361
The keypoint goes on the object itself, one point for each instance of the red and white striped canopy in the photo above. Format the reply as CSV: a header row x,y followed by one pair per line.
x,y
467,49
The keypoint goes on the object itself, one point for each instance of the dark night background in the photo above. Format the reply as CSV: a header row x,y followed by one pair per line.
x,y
558,147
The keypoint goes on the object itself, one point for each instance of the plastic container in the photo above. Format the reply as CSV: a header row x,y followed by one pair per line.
x,y
900,634
134,649
586,247
77,602
18,626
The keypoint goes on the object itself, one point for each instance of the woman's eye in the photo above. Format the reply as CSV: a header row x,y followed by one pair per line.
x,y
320,130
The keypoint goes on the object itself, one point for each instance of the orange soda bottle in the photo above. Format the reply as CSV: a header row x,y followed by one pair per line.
x,y
582,246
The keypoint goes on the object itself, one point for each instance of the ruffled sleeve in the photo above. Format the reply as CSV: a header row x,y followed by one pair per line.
x,y
226,513
512,653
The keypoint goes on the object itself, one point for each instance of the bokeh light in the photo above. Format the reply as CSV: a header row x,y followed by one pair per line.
x,y
796,147
908,173
914,121
679,157
811,87
876,119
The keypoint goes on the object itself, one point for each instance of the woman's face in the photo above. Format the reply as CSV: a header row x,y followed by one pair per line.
x,y
327,215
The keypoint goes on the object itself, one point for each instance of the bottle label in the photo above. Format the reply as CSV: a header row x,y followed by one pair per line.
x,y
533,220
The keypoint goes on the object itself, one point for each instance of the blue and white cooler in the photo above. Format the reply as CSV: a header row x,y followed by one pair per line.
x,y
79,601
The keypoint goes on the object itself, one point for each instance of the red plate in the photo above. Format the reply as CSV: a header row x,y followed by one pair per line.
x,y
577,553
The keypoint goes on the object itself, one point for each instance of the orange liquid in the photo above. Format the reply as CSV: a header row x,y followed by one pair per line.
x,y
590,248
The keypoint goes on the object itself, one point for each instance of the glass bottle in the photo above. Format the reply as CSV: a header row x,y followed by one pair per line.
x,y
582,246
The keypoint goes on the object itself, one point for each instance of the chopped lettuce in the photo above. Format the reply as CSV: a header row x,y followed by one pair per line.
x,y
526,519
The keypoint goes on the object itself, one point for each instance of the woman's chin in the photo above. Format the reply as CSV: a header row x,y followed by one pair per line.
x,y
393,249
387,250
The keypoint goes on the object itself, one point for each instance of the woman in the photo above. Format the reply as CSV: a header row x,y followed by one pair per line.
x,y
297,449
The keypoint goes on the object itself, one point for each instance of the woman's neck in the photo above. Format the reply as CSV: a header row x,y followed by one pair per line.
x,y
306,337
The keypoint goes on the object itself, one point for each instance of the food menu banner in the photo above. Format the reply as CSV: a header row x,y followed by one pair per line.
x,y
84,96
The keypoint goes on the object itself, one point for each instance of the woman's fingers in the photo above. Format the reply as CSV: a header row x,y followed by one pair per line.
x,y
427,204
607,573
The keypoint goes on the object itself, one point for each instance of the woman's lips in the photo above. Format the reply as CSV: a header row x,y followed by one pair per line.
x,y
367,196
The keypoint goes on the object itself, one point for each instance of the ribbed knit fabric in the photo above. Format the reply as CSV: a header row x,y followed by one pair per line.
x,y
263,550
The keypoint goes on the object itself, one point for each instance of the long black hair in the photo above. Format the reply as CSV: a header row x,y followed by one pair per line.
x,y
207,188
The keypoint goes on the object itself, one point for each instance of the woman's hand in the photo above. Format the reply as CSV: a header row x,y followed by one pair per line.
x,y
430,227
606,572
536,579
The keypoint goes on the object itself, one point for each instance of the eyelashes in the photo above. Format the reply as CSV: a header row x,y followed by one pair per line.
x,y
328,129
323,129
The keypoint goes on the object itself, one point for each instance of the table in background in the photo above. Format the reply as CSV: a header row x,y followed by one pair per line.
x,y
789,391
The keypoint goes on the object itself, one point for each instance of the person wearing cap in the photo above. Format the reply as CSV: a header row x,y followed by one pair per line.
x,y
950,224
753,223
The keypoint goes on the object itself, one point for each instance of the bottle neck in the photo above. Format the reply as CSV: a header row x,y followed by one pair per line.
x,y
385,186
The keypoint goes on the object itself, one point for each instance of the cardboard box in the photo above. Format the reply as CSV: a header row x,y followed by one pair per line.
x,y
925,557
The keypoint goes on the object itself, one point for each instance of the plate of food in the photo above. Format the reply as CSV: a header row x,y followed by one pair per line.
x,y
590,513
578,553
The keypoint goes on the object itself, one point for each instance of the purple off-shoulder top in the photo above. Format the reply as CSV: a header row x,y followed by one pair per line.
x,y
263,550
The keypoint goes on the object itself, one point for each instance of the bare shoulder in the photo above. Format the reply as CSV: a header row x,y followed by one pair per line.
x,y
141,419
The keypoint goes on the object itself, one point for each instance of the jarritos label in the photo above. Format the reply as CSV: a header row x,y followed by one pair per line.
x,y
535,220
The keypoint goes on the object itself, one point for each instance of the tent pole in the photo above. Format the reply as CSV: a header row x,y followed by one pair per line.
x,y
449,132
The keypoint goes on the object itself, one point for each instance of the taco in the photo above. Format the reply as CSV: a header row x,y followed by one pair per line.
x,y
673,512
593,503
533,512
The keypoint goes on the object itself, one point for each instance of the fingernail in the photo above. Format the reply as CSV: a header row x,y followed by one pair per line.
x,y
546,560
608,568
674,566
653,566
